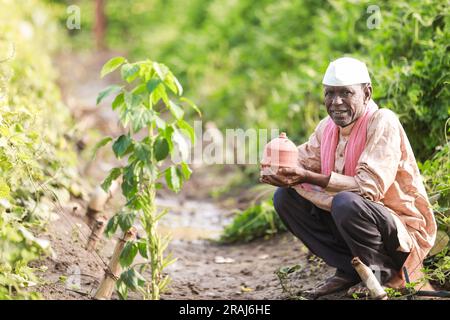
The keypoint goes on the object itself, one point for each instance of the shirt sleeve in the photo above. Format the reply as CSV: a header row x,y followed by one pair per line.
x,y
377,167
309,152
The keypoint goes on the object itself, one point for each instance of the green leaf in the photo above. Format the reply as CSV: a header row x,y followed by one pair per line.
x,y
141,117
186,127
161,70
106,92
128,254
18,127
122,289
168,135
132,100
158,94
176,111
139,89
160,123
161,148
118,101
113,175
161,215
129,186
134,110
172,82
152,84
100,144
132,279
192,105
186,171
129,72
111,65
165,281
126,220
142,246
111,227
143,152
4,189
178,84
173,179
121,145
167,261
181,143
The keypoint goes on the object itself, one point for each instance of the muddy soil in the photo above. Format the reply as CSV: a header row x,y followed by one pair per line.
x,y
204,269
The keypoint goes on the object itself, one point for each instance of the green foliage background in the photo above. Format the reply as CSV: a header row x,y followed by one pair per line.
x,y
260,63
36,155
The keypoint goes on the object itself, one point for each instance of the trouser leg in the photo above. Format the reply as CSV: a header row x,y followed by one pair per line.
x,y
355,227
370,232
315,228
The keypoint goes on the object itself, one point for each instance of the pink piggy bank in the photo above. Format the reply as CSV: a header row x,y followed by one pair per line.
x,y
279,153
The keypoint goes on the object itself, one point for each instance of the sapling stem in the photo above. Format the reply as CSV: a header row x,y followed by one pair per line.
x,y
143,169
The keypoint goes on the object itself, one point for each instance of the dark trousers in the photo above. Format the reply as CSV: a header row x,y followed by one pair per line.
x,y
356,227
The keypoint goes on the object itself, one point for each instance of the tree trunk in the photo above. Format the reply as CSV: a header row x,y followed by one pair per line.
x,y
100,25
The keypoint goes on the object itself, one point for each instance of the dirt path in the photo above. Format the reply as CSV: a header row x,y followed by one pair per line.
x,y
204,269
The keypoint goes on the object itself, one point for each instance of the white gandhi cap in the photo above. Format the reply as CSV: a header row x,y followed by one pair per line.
x,y
346,71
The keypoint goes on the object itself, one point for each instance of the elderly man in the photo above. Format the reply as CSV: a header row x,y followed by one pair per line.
x,y
357,190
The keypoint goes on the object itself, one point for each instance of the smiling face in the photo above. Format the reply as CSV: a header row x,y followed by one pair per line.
x,y
345,104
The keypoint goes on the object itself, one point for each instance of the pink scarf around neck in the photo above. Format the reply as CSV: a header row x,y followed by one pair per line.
x,y
355,145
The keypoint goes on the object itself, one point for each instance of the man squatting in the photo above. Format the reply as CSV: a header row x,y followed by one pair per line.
x,y
357,190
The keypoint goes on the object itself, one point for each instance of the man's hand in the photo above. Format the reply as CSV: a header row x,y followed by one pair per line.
x,y
284,177
288,177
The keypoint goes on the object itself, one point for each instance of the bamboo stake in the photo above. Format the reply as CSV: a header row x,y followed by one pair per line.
x,y
98,200
96,233
112,273
365,273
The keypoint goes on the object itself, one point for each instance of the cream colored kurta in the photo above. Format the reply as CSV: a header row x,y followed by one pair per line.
x,y
386,173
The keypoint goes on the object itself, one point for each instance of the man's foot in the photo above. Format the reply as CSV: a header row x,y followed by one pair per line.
x,y
334,284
